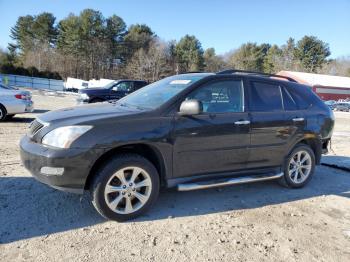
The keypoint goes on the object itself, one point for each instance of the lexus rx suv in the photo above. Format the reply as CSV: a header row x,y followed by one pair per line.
x,y
189,131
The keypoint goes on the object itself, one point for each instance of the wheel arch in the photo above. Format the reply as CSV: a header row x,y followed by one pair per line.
x,y
97,99
4,107
147,151
314,143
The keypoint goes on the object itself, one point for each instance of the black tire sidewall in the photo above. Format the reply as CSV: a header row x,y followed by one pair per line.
x,y
108,170
4,113
286,177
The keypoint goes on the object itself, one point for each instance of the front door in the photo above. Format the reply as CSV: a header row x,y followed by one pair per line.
x,y
121,89
218,139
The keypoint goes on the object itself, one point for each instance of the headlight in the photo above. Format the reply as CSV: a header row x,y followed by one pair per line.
x,y
63,137
84,96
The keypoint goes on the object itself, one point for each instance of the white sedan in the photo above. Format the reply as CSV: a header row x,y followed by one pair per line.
x,y
14,101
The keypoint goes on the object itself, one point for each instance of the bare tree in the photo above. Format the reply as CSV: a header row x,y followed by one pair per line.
x,y
151,64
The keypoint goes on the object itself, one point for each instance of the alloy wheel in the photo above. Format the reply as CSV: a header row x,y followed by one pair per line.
x,y
300,166
128,190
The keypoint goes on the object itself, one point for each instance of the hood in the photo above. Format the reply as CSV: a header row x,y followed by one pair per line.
x,y
89,112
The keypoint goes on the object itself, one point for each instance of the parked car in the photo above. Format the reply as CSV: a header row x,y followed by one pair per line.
x,y
342,106
188,131
114,91
14,101
330,103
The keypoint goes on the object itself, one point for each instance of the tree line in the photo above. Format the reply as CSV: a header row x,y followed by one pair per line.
x,y
90,45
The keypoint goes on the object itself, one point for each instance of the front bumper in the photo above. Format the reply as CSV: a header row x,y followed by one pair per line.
x,y
75,162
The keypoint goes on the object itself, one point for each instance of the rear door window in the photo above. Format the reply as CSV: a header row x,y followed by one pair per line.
x,y
138,85
265,97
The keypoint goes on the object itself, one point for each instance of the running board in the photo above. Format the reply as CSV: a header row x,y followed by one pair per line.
x,y
227,182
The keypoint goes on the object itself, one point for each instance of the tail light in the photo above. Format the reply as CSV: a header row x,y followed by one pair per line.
x,y
22,96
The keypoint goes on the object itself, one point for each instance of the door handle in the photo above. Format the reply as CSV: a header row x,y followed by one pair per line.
x,y
298,119
242,122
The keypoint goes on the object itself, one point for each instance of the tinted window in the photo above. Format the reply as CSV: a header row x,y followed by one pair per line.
x,y
220,97
288,102
298,98
265,97
138,85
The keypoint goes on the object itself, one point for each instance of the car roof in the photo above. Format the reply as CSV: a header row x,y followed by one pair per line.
x,y
256,77
130,80
245,74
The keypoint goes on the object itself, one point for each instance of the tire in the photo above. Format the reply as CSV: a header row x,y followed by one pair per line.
x,y
3,113
297,174
9,117
96,100
115,202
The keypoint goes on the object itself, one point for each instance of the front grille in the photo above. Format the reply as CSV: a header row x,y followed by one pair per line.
x,y
35,127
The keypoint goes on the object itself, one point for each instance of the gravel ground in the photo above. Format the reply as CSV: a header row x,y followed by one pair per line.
x,y
260,222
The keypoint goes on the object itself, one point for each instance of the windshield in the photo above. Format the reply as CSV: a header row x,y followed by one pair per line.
x,y
154,95
109,85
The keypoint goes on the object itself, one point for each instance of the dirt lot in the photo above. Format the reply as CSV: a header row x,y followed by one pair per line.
x,y
262,221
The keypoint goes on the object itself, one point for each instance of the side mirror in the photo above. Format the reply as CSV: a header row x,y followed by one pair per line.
x,y
191,107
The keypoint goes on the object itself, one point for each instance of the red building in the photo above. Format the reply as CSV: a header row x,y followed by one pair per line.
x,y
327,87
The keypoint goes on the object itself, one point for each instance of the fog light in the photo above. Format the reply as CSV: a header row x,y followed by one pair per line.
x,y
52,171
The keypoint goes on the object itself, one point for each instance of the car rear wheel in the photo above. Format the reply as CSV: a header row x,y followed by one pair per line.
x,y
299,167
3,113
125,187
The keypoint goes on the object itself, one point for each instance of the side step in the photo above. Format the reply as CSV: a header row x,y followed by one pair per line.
x,y
227,182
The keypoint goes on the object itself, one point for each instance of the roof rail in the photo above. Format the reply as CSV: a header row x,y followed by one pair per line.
x,y
231,71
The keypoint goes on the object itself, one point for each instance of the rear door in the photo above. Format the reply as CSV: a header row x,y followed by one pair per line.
x,y
294,110
269,126
218,139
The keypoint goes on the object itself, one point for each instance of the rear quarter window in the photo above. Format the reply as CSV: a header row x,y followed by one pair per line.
x,y
301,96
265,97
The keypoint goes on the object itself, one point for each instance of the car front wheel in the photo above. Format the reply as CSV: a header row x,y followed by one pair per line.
x,y
299,167
126,187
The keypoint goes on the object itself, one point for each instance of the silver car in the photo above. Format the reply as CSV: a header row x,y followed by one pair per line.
x,y
342,106
14,101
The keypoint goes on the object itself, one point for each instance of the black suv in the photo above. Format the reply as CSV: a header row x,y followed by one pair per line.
x,y
189,131
113,91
